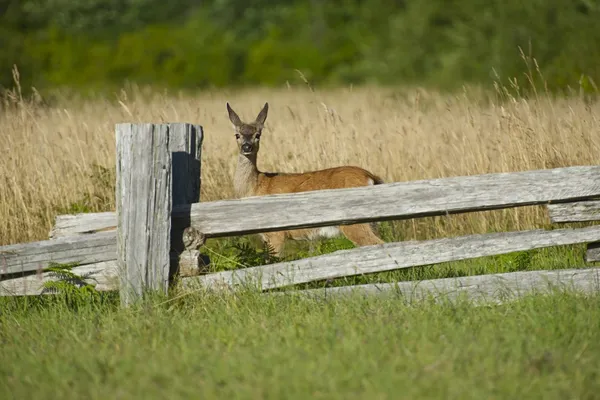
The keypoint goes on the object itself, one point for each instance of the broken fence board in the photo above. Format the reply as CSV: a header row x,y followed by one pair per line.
x,y
393,256
492,288
103,276
581,211
391,201
34,256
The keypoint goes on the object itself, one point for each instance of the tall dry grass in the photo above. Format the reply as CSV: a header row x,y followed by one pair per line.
x,y
50,153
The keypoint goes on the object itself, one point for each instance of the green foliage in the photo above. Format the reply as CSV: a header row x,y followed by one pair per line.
x,y
67,281
249,346
103,16
252,256
551,44
69,286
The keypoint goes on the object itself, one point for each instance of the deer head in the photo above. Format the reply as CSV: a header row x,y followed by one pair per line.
x,y
248,134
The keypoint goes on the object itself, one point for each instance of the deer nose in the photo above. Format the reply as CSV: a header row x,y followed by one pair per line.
x,y
247,147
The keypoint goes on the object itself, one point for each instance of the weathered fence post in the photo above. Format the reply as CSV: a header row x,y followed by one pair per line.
x,y
158,166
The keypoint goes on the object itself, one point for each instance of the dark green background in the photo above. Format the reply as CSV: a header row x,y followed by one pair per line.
x,y
93,44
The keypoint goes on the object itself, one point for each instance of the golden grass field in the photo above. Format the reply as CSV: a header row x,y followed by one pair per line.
x,y
50,152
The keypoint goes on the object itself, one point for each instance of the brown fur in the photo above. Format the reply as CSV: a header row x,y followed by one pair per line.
x,y
250,181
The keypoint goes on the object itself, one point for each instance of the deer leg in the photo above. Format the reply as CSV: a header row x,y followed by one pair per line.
x,y
361,234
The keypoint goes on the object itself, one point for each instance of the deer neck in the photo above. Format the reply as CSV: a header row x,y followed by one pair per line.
x,y
246,176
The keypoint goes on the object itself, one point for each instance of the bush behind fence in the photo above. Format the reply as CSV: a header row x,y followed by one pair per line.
x,y
190,44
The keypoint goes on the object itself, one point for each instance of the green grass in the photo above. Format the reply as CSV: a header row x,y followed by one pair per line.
x,y
261,347
251,346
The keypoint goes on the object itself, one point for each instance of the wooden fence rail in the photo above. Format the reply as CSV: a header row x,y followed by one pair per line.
x,y
31,257
583,211
142,243
320,208
391,201
492,288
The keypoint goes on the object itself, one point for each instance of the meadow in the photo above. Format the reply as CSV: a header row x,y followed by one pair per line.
x,y
59,151
255,347
58,157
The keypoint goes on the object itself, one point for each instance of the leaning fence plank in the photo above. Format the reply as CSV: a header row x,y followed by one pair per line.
x,y
35,256
581,211
399,200
144,204
492,288
103,276
393,256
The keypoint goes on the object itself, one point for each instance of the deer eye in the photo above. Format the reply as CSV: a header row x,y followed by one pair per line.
x,y
237,135
257,136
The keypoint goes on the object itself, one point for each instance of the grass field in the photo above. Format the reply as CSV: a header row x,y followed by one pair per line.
x,y
58,158
59,155
252,347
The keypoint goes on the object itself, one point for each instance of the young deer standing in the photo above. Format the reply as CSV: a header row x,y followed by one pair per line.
x,y
249,181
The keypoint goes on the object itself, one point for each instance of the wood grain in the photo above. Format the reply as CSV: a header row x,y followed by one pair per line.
x,y
104,277
393,256
34,256
492,288
394,201
593,252
391,201
82,224
144,205
581,211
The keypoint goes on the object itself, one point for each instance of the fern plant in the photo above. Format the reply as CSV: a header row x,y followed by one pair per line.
x,y
67,281
250,256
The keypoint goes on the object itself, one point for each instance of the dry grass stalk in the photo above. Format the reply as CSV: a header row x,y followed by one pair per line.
x,y
50,152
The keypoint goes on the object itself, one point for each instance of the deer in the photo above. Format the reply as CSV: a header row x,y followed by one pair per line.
x,y
250,181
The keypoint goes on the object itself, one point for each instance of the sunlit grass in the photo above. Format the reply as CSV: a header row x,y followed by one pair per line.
x,y
251,346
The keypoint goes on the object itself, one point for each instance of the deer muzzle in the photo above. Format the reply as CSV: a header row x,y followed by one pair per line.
x,y
247,148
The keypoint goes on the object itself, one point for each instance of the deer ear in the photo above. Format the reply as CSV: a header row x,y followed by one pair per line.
x,y
262,115
233,117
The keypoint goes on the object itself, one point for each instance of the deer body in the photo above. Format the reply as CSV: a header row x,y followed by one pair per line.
x,y
250,181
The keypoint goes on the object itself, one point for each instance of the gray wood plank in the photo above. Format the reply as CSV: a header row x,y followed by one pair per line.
x,y
391,201
144,205
34,256
483,289
394,201
581,211
393,256
104,278
82,224
593,252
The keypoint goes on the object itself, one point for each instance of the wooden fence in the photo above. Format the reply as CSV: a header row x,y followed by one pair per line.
x,y
160,225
